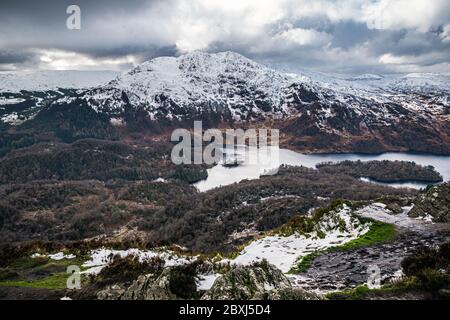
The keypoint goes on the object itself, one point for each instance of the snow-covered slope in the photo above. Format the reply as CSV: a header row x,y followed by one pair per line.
x,y
23,94
197,81
228,83
51,80
336,228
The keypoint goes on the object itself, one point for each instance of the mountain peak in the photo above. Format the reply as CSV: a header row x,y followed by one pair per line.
x,y
199,79
201,62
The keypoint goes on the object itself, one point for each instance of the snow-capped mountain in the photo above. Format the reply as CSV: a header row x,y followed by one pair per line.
x,y
170,87
316,112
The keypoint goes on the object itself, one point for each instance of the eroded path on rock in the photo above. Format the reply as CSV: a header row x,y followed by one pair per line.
x,y
348,269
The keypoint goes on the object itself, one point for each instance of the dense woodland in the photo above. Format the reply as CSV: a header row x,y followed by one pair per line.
x,y
384,171
68,175
94,159
172,212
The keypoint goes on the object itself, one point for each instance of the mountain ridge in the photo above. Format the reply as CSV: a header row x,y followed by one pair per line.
x,y
314,113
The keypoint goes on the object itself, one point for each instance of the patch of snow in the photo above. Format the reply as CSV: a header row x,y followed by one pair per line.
x,y
61,256
56,256
117,122
100,258
407,209
12,118
378,211
284,252
427,217
263,199
7,101
205,282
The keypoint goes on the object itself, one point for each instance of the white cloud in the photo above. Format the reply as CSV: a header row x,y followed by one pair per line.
x,y
198,23
335,11
406,14
428,62
445,36
296,31
389,58
303,37
65,60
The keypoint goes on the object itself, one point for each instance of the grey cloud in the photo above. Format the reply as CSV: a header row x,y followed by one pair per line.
x,y
147,29
11,57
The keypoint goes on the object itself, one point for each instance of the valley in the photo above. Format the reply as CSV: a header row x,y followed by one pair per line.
x,y
86,179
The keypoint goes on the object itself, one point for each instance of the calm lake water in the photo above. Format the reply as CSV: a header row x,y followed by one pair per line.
x,y
250,169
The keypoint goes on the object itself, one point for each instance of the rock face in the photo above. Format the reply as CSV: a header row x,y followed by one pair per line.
x,y
146,287
340,270
258,281
435,202
113,292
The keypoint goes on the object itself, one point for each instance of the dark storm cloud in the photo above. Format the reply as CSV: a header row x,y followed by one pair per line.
x,y
42,25
11,57
349,33
326,35
49,11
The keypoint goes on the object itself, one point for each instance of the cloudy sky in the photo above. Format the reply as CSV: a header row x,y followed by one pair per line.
x,y
347,36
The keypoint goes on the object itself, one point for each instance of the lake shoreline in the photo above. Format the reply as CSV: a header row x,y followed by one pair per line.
x,y
219,176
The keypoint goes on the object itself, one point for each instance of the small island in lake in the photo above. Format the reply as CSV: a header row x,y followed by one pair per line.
x,y
384,171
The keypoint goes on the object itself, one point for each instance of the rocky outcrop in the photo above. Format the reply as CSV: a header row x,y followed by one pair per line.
x,y
258,281
147,287
113,292
345,269
434,203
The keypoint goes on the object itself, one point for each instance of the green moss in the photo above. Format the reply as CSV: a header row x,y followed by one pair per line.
x,y
361,292
55,281
305,263
342,225
62,263
18,272
25,263
379,232
357,293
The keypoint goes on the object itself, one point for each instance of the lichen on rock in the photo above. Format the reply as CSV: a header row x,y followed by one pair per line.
x,y
435,202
